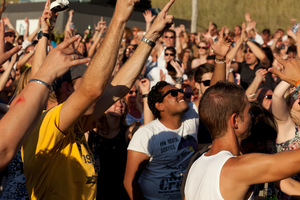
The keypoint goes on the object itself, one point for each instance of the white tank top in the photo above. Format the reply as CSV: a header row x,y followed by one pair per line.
x,y
203,181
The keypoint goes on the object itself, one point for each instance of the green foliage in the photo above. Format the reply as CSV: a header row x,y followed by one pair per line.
x,y
270,14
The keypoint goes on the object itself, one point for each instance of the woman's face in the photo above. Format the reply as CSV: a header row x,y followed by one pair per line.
x,y
81,48
117,109
202,48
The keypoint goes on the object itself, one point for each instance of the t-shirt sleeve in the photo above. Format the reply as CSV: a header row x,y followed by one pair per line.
x,y
49,133
140,141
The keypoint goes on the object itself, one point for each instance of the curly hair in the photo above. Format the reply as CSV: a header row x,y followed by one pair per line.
x,y
155,96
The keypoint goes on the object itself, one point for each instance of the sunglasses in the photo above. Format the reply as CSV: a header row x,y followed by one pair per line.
x,y
206,82
169,54
249,50
133,91
174,93
169,37
199,47
268,96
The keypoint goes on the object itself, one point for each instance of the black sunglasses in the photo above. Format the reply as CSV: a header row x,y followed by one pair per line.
x,y
199,47
268,96
132,91
169,54
206,82
173,92
169,37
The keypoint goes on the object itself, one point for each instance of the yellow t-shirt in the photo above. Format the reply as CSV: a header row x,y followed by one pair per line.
x,y
57,165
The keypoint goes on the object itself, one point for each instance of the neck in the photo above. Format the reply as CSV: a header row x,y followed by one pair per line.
x,y
252,66
228,142
113,122
171,122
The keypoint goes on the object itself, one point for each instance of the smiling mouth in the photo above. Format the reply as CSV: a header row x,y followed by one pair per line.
x,y
182,100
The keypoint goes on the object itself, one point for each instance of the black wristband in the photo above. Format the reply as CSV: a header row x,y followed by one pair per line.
x,y
42,34
145,95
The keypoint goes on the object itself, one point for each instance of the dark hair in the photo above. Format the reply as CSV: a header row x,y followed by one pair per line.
x,y
155,96
170,31
217,105
263,131
268,51
215,25
266,31
203,69
171,49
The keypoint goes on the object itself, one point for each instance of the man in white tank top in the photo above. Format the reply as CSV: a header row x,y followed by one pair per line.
x,y
222,173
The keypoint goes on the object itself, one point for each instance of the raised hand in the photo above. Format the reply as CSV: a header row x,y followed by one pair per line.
x,y
124,9
248,17
179,69
4,56
61,58
144,85
291,71
148,16
161,23
261,75
47,14
222,46
101,26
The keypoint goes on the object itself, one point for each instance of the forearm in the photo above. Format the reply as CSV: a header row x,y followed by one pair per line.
x,y
252,89
92,49
279,107
26,32
31,37
233,51
148,116
178,45
40,55
259,53
5,75
104,60
219,71
24,59
24,113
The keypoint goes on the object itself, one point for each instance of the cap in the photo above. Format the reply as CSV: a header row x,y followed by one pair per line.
x,y
9,32
72,74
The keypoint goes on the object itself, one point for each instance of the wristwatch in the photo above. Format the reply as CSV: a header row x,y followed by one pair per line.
x,y
41,34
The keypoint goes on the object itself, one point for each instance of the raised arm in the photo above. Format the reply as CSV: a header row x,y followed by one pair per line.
x,y
26,28
101,28
5,75
252,89
41,47
259,53
10,26
4,56
27,106
130,71
100,68
144,86
148,19
220,49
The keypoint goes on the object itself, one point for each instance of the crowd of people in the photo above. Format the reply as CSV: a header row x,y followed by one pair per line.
x,y
121,113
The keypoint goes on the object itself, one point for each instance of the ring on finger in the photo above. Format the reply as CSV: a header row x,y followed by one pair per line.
x,y
73,56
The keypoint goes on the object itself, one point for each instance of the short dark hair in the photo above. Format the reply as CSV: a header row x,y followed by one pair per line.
x,y
170,31
171,49
266,31
217,105
203,69
155,95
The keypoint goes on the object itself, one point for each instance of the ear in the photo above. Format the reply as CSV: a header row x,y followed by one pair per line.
x,y
197,85
159,106
234,121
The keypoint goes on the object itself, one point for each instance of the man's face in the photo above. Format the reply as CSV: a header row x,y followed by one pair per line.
x,y
250,58
205,82
244,121
213,31
131,97
169,55
266,37
169,39
174,105
237,31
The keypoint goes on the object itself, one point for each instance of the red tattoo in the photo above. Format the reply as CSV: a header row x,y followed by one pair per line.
x,y
21,99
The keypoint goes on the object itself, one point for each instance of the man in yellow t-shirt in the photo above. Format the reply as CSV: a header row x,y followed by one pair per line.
x,y
57,160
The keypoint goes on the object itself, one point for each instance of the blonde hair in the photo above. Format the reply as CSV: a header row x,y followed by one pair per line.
x,y
22,81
